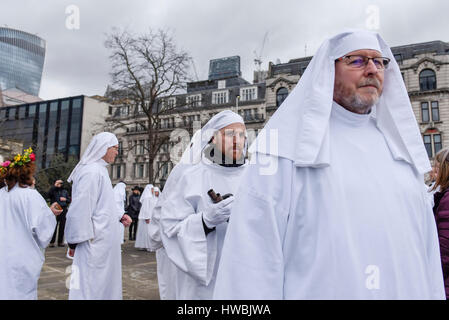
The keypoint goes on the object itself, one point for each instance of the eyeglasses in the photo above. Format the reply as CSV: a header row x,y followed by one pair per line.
x,y
358,62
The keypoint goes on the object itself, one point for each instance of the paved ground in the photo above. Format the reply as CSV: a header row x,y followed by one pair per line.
x,y
138,270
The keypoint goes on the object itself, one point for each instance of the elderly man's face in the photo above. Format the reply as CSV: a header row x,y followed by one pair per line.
x,y
358,89
110,155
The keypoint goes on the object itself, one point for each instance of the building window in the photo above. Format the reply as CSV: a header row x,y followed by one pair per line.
x,y
428,145
281,94
437,142
435,111
139,170
120,148
171,102
427,80
425,112
220,97
124,111
398,58
434,139
247,94
118,171
430,115
194,101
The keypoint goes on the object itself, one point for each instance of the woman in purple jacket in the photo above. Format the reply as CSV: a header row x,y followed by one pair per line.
x,y
441,210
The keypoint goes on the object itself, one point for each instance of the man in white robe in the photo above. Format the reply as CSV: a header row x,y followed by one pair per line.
x,y
192,226
166,269
142,236
93,224
336,209
26,228
120,199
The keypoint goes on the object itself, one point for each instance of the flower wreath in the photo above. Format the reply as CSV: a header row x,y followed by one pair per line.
x,y
19,160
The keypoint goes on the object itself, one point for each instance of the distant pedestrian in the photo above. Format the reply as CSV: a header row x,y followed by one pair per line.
x,y
61,196
134,206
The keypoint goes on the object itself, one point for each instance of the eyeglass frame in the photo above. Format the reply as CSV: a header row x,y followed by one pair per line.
x,y
367,61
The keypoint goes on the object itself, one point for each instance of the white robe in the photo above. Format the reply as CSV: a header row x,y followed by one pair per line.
x,y
93,221
361,228
195,255
166,269
142,236
26,227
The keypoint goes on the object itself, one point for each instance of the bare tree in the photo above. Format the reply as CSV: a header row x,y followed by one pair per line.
x,y
147,69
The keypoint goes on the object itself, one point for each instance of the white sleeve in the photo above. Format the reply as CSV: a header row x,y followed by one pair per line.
x,y
183,236
79,225
252,264
43,221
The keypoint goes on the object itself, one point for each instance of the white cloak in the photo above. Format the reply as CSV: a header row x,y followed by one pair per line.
x,y
93,221
26,227
142,236
359,228
195,255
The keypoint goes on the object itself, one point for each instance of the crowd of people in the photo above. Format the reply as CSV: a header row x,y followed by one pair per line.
x,y
329,202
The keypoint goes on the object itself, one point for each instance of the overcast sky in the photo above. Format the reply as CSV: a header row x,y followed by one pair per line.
x,y
77,62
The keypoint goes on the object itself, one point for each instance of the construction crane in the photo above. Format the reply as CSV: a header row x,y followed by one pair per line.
x,y
194,69
258,57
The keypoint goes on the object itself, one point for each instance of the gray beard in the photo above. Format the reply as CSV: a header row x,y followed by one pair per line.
x,y
357,104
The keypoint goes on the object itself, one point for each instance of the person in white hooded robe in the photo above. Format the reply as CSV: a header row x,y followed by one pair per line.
x,y
146,199
93,225
192,226
336,209
166,269
26,228
120,199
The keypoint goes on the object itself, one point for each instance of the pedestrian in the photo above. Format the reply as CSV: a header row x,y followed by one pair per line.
x,y
192,225
147,200
26,227
166,269
60,195
337,208
133,210
93,224
441,210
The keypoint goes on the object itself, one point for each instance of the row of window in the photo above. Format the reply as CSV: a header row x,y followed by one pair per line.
x,y
140,170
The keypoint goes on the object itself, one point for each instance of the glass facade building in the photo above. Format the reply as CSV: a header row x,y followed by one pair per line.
x,y
21,60
50,127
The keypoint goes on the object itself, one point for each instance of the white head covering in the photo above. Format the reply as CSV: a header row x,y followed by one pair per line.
x,y
96,150
301,122
147,194
120,191
156,189
217,122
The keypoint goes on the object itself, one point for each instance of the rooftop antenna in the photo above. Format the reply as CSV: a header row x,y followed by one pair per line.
x,y
258,57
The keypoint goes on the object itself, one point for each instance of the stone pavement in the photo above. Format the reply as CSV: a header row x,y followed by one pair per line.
x,y
138,274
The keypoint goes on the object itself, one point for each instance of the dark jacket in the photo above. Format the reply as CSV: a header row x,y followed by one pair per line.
x,y
134,206
55,194
441,213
